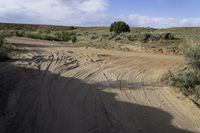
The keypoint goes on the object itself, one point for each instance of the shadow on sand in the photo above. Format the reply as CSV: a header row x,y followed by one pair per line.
x,y
33,101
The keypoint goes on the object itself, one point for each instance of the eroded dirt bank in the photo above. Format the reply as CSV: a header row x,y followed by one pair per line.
x,y
51,88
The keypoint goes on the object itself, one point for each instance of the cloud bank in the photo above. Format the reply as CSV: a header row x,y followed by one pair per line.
x,y
79,12
64,12
141,20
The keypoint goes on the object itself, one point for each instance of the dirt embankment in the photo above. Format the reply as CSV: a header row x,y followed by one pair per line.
x,y
56,89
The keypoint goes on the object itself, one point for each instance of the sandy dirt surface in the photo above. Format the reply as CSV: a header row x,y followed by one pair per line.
x,y
51,88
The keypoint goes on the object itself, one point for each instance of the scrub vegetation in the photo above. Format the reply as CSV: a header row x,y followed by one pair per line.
x,y
188,78
117,36
5,48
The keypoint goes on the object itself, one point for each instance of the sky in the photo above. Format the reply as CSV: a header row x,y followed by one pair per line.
x,y
144,13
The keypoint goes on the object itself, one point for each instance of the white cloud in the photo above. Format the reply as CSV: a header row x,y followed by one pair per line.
x,y
79,12
141,20
68,12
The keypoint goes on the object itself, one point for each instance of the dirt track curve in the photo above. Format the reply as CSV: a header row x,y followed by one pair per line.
x,y
51,88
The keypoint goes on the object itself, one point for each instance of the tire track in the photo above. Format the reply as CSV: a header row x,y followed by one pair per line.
x,y
83,92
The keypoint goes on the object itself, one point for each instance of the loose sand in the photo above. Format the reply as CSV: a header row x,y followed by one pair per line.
x,y
51,88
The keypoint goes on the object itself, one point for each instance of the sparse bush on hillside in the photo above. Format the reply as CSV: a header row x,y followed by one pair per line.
x,y
119,27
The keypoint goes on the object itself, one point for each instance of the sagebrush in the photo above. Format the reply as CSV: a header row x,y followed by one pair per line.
x,y
188,79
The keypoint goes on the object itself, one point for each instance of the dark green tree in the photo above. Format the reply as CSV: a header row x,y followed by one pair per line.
x,y
119,27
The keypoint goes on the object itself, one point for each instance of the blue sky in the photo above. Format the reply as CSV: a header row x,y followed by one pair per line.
x,y
158,8
153,13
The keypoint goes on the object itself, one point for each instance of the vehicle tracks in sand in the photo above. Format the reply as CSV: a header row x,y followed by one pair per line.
x,y
94,91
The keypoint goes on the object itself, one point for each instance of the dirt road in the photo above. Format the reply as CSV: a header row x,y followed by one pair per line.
x,y
51,88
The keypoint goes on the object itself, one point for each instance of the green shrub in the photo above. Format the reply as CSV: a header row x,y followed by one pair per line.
x,y
4,50
105,35
66,36
188,80
119,27
56,36
112,36
47,31
130,38
192,55
118,38
34,35
59,36
45,36
1,41
197,91
28,34
167,36
20,33
3,53
93,37
74,39
145,37
72,28
7,33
